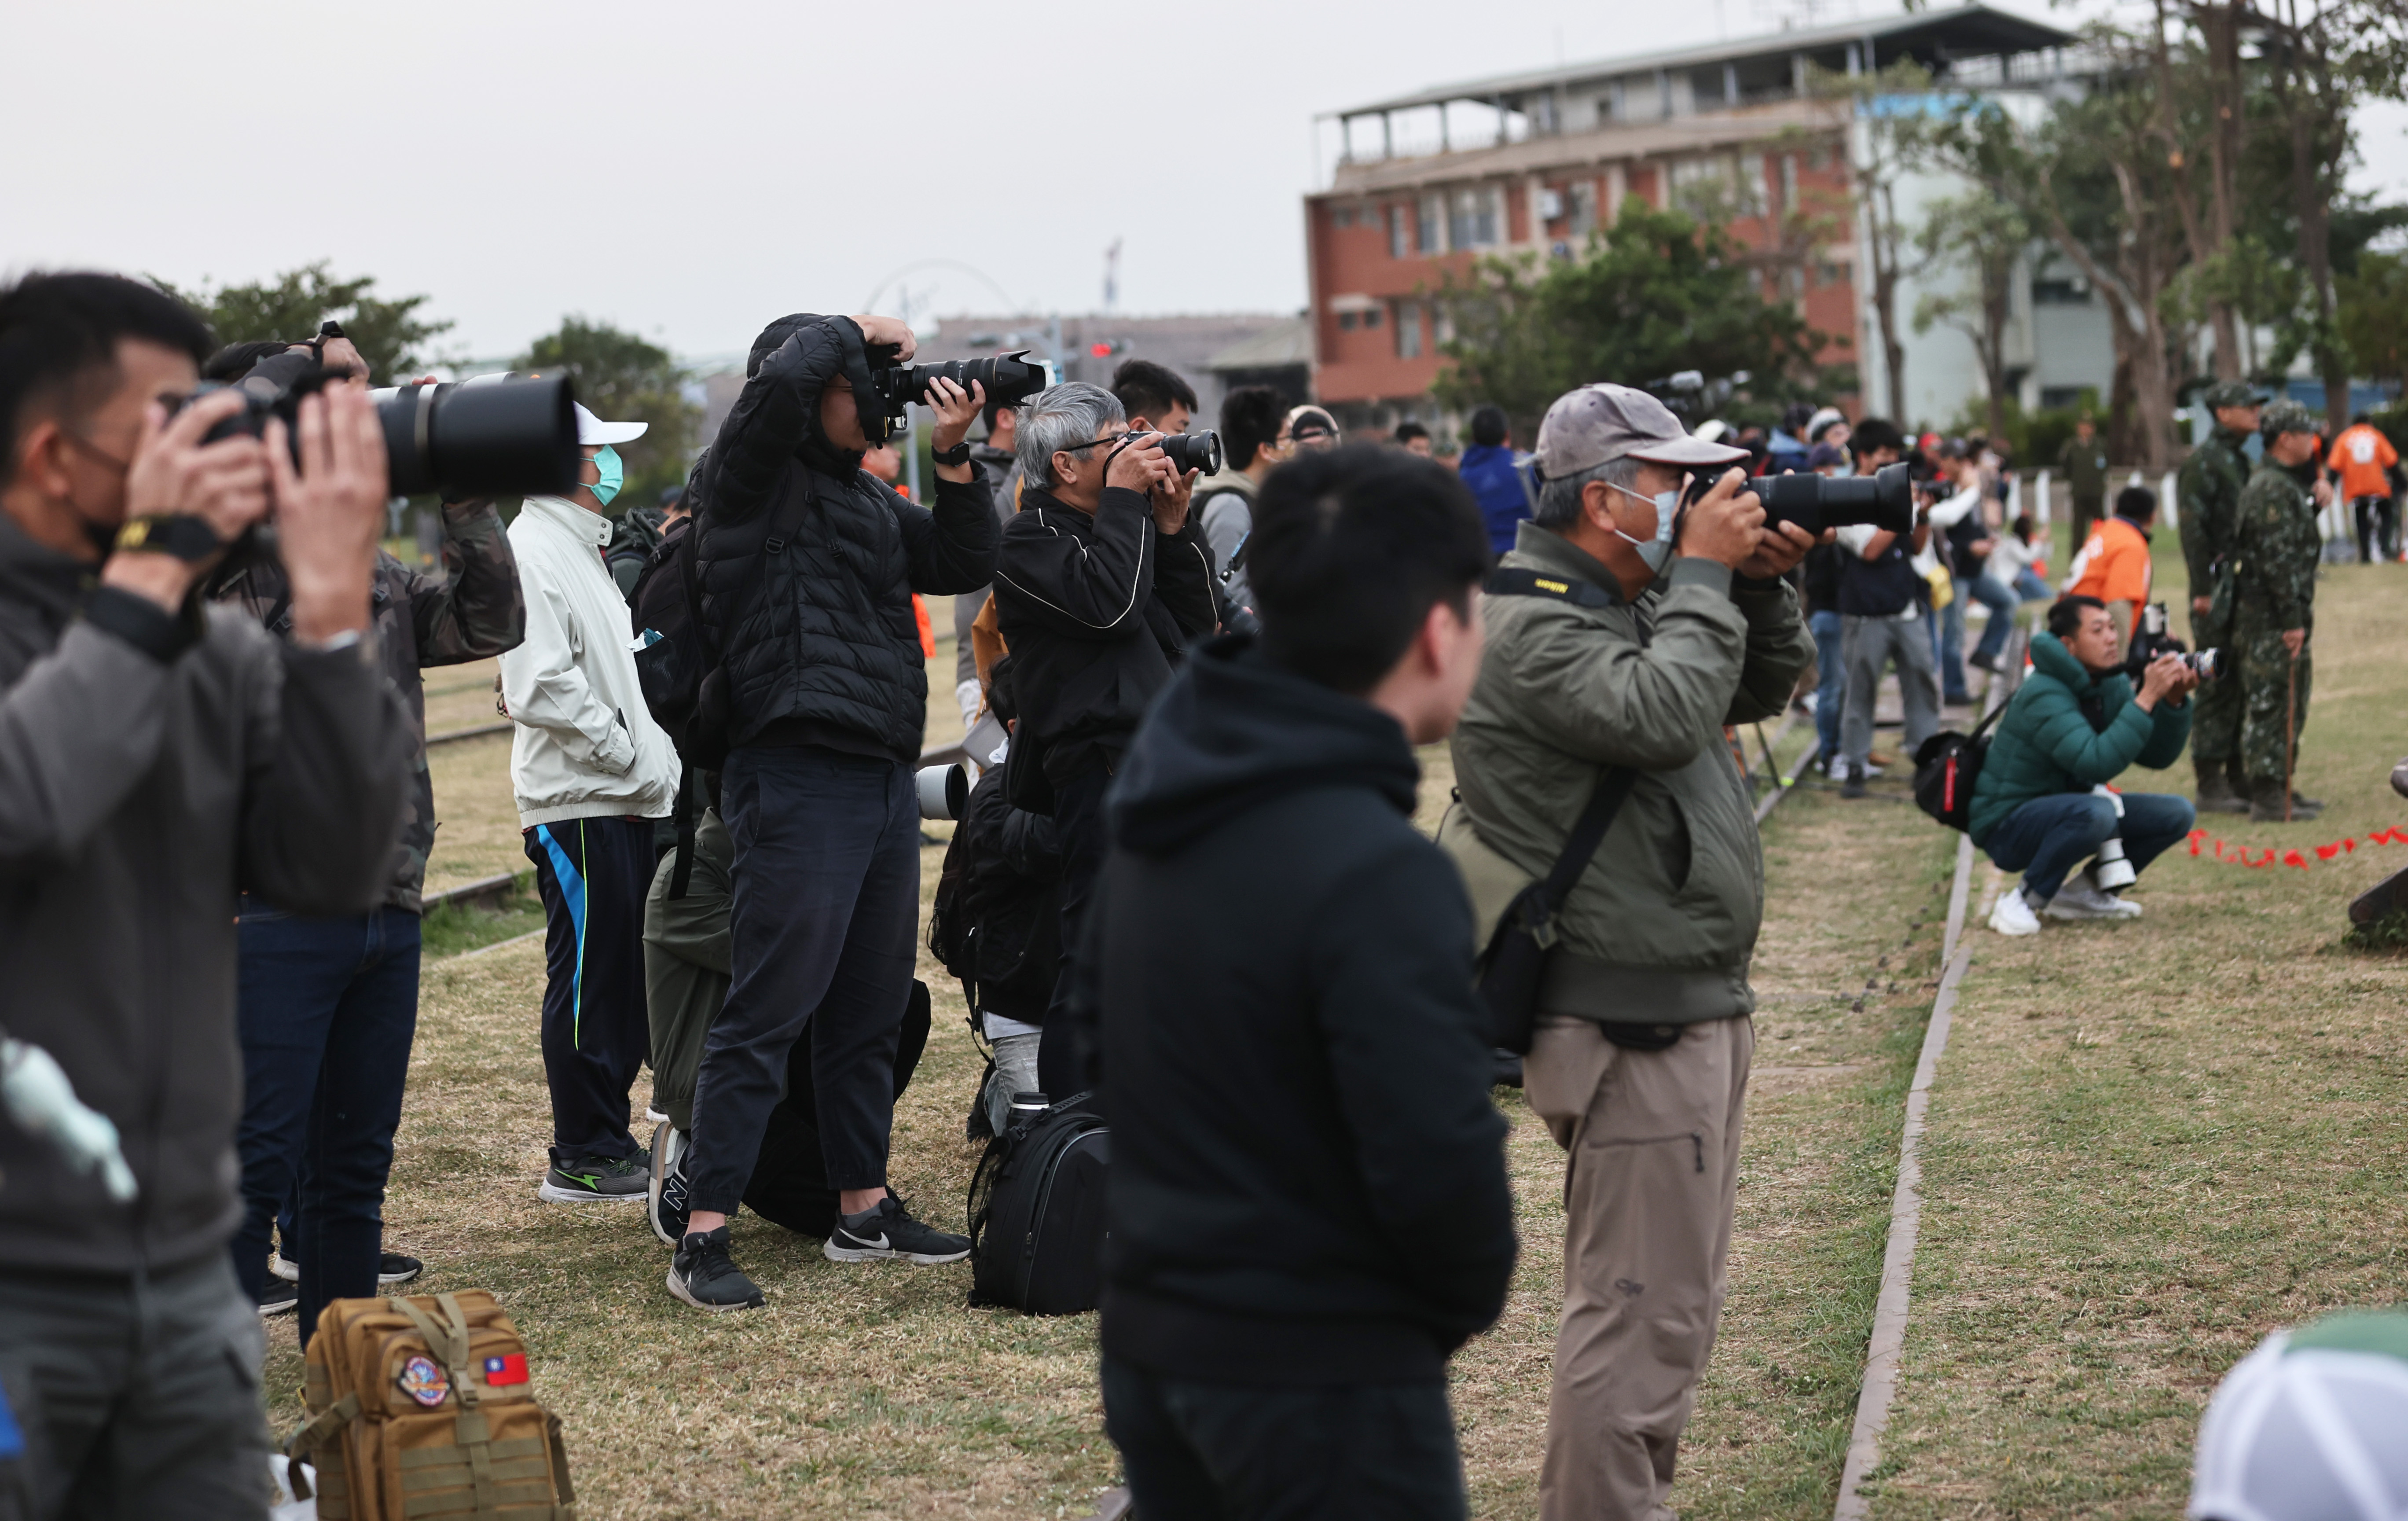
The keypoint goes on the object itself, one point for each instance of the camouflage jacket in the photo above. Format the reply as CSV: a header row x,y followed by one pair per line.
x,y
472,611
2276,548
2209,492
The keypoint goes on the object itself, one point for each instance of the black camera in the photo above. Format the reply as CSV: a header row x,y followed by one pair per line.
x,y
1009,380
487,438
1885,498
2150,641
1194,452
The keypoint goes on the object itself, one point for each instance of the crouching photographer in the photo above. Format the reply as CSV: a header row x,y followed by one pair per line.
x,y
1623,634
2040,805
156,754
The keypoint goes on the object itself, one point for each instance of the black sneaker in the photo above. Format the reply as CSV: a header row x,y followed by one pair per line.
x,y
392,1267
277,1297
886,1230
706,1277
664,1198
591,1180
1854,784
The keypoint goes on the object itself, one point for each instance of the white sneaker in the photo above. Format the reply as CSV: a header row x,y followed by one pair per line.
x,y
2013,914
2082,897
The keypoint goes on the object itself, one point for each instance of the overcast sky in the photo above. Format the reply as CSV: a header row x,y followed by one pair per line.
x,y
691,170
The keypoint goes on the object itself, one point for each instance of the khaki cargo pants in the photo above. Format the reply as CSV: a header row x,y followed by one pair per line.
x,y
1651,1172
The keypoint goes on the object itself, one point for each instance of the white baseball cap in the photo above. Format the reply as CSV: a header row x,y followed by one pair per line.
x,y
593,430
2313,1425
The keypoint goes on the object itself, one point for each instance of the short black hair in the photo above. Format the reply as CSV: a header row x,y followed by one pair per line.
x,y
2138,503
234,361
59,335
2065,614
1350,548
1145,389
1873,435
1408,432
1249,418
1489,426
992,408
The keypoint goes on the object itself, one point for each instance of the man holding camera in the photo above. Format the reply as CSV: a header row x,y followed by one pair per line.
x,y
2209,493
1647,627
2041,804
2276,547
1102,580
1883,599
807,566
157,756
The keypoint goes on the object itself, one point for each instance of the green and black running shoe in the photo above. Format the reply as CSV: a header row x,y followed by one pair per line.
x,y
591,1180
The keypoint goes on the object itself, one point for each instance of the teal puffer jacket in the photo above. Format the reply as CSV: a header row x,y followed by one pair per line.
x,y
2045,744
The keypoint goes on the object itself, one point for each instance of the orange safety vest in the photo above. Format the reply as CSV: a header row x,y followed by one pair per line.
x,y
2113,565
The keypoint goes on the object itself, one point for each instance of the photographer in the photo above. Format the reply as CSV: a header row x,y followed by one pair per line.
x,y
1224,501
2074,725
1667,625
809,566
158,754
1883,620
1309,1210
1102,580
330,1005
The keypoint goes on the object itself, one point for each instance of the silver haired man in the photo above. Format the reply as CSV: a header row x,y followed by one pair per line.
x,y
1101,581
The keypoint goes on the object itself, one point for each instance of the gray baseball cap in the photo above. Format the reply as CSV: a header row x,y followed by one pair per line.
x,y
1587,427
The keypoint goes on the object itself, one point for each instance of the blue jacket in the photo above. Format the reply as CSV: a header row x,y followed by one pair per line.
x,y
1496,485
2045,745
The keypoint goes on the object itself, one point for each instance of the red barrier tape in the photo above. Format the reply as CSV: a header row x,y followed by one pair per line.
x,y
2202,843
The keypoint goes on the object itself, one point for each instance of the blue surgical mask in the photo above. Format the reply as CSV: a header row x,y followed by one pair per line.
x,y
614,475
1653,553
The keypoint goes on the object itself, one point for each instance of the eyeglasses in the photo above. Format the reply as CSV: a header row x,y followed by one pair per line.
x,y
1115,438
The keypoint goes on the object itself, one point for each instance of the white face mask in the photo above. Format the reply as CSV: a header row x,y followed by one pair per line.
x,y
1653,553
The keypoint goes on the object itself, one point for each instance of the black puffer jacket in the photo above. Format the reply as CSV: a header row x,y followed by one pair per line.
x,y
1094,608
808,564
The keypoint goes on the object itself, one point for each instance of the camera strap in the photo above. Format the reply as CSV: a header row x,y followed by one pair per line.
x,y
1514,581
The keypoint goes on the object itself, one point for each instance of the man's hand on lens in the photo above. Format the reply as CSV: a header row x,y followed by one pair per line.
x,y
224,484
329,513
1779,548
2295,640
954,407
1726,525
890,331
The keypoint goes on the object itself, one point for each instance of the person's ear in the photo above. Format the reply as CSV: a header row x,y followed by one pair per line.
x,y
1597,505
41,460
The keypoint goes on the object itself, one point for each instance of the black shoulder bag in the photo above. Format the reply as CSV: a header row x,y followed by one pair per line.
x,y
1516,957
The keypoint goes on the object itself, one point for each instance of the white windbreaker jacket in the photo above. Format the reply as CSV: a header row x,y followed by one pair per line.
x,y
586,745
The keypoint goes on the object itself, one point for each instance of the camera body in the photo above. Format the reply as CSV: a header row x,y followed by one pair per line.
x,y
1885,498
2151,640
1008,381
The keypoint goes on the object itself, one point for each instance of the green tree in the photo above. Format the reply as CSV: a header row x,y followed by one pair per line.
x,y
2373,310
1654,293
391,334
627,379
1982,238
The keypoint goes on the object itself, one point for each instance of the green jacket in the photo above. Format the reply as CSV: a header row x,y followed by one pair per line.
x,y
2085,467
2045,744
686,965
2209,492
2275,549
1661,925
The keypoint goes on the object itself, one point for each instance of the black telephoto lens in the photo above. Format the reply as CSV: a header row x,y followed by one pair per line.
x,y
1194,452
496,439
1884,499
1007,380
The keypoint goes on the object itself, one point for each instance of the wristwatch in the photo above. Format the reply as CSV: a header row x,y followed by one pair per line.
x,y
958,454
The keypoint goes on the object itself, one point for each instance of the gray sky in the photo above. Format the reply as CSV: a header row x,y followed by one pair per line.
x,y
690,171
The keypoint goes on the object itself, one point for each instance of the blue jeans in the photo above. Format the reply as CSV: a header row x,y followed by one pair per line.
x,y
2002,603
328,1008
2030,588
2046,838
1831,681
1950,649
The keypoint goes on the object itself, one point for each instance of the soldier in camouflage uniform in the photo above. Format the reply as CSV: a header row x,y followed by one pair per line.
x,y
2209,492
2275,549
328,1006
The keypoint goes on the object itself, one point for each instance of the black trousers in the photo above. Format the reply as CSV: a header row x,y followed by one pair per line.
x,y
592,875
1222,1452
2378,527
826,907
1079,821
136,1395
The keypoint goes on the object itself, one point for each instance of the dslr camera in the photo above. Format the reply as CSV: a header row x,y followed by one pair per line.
x,y
1885,498
491,437
1009,380
2150,641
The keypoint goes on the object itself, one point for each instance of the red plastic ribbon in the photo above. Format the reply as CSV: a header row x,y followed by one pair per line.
x,y
2201,842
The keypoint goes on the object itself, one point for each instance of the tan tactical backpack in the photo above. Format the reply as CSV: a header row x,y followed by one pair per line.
x,y
423,1411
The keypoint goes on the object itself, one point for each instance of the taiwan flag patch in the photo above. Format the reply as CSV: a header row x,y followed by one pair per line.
x,y
509,1369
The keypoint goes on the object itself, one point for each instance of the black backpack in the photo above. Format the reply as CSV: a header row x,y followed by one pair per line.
x,y
1036,1213
1947,764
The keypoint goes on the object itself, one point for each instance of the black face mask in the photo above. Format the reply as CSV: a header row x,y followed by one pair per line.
x,y
102,536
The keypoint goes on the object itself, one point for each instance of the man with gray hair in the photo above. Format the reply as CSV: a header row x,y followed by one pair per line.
x,y
1102,578
1624,632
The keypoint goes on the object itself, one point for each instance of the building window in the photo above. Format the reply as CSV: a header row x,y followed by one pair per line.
x,y
1371,317
1583,209
1342,216
1827,275
1430,231
1475,220
1346,321
1400,232
1409,330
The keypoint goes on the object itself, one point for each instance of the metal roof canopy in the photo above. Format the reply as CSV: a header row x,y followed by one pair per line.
x,y
1971,31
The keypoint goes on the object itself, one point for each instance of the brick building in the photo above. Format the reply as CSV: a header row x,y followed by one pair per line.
x,y
1728,130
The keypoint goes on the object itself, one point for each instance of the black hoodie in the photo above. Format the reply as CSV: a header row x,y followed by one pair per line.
x,y
1308,1178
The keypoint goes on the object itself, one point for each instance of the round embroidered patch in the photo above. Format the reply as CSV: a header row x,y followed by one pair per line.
x,y
423,1382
